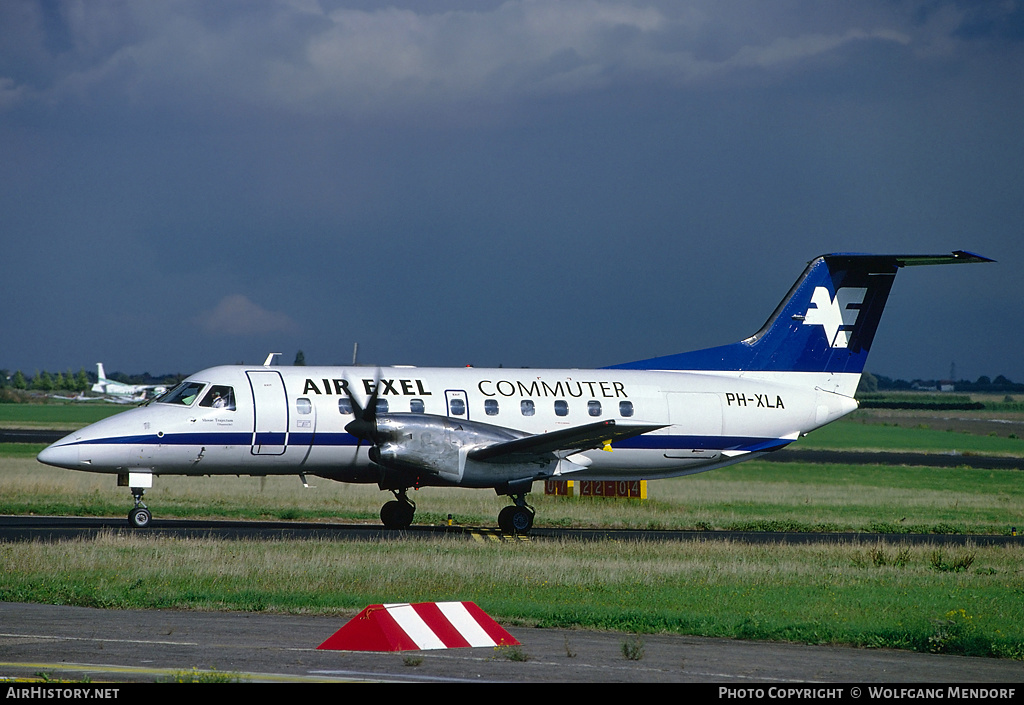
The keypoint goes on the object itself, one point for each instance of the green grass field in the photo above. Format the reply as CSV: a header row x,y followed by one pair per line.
x,y
56,415
869,596
854,435
967,600
756,496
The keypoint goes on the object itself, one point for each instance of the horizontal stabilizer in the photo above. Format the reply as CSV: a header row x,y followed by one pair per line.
x,y
578,439
957,257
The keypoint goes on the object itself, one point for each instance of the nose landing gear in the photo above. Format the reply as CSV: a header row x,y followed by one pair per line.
x,y
139,517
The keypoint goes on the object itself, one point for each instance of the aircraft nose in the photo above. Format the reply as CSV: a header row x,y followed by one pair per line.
x,y
61,456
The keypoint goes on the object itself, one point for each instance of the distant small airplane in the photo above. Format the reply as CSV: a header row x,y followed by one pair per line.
x,y
77,397
124,393
504,429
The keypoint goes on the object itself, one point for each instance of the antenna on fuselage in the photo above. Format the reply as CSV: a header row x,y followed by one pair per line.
x,y
270,359
355,352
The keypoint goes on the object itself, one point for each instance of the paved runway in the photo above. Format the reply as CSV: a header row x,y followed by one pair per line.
x,y
49,528
127,646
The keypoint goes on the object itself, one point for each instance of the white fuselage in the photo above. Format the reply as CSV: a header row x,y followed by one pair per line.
x,y
291,420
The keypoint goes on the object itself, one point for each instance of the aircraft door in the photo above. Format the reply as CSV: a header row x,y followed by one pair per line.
x,y
270,406
458,404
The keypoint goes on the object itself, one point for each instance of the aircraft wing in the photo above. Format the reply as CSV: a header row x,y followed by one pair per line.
x,y
569,440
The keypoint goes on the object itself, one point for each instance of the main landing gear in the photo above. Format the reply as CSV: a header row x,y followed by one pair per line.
x,y
517,518
398,513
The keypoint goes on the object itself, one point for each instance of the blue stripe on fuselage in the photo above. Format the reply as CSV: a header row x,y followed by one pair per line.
x,y
340,440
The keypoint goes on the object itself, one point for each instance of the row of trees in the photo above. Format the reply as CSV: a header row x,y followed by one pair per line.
x,y
69,381
48,381
881,383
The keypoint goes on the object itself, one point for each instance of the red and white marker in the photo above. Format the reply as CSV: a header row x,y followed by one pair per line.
x,y
419,626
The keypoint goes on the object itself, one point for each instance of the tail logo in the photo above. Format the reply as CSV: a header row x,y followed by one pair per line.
x,y
837,316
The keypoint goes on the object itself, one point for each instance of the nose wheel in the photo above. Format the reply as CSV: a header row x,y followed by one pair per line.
x,y
140,516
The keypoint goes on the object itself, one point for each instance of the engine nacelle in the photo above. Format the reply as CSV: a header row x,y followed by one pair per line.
x,y
438,445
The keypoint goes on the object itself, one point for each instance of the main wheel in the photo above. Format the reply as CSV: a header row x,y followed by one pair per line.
x,y
515,520
139,517
505,520
397,515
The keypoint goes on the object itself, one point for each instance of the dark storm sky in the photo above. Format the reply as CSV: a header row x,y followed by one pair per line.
x,y
525,183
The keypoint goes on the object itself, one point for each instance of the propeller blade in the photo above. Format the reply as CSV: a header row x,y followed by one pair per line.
x,y
364,423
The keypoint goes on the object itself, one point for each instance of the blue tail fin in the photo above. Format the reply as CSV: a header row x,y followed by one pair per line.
x,y
825,324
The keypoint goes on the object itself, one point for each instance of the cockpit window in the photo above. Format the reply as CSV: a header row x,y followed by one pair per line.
x,y
184,394
219,397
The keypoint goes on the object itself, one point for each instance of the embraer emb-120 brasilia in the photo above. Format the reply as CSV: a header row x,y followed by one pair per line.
x,y
503,429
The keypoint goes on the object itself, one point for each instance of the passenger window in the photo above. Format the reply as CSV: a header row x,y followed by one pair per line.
x,y
416,406
561,407
594,407
625,409
491,407
382,406
219,397
303,406
345,406
457,407
527,407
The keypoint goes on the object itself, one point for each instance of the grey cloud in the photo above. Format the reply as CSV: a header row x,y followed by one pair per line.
x,y
298,57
